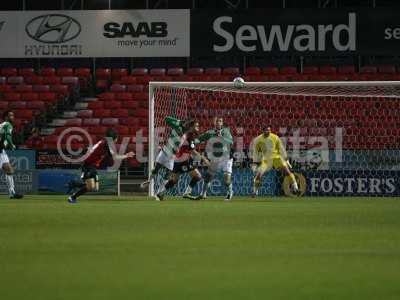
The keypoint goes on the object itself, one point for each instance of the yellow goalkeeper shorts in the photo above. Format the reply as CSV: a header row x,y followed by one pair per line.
x,y
273,162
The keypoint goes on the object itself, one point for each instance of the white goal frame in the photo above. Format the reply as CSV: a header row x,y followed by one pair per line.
x,y
230,86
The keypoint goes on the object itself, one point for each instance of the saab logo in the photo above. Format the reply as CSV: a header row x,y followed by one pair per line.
x,y
303,37
1,25
53,29
151,30
301,181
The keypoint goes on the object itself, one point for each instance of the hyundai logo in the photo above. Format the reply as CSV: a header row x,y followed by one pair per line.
x,y
53,28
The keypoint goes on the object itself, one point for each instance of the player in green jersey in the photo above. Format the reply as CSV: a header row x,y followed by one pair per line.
x,y
6,142
219,152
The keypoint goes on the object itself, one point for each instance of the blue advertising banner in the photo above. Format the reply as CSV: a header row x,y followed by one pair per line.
x,y
352,183
242,184
25,178
57,181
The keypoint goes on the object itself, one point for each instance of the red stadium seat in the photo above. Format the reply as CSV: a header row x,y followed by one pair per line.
x,y
157,72
4,88
175,72
26,72
195,71
131,121
109,121
125,96
17,105
60,89
119,73
48,72
135,88
130,104
73,122
106,96
120,113
14,80
65,72
48,97
85,114
368,70
128,80
91,122
51,80
82,73
7,72
23,88
117,88
35,105
231,71
387,69
212,71
270,70
3,80
112,104
101,113
40,88
139,72
34,80
252,71
308,70
102,73
24,114
95,105
12,96
288,70
30,96
3,105
71,81
327,70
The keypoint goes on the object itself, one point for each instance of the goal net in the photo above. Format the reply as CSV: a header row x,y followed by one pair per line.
x,y
342,138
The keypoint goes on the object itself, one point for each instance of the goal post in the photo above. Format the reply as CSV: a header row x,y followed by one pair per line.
x,y
343,138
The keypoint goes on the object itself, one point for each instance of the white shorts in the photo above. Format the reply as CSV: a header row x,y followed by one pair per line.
x,y
165,160
3,158
221,165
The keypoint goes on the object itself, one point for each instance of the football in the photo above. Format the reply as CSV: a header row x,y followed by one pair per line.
x,y
238,82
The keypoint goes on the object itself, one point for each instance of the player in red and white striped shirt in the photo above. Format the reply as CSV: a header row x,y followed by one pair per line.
x,y
100,155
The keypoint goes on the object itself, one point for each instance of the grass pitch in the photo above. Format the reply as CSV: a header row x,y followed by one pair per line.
x,y
271,248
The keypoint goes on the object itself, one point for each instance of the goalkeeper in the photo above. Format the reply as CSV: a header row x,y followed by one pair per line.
x,y
268,153
219,152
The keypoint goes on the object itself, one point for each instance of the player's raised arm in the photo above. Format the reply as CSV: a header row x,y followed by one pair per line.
x,y
173,122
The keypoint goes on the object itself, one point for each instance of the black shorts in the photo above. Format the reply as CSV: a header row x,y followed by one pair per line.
x,y
89,172
183,167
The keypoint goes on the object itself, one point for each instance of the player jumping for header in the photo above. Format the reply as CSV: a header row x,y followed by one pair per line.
x,y
6,142
166,157
268,150
184,163
100,155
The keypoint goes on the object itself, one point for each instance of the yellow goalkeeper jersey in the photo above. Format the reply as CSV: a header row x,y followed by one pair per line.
x,y
266,148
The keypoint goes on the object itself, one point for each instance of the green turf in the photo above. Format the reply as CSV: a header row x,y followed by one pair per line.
x,y
276,248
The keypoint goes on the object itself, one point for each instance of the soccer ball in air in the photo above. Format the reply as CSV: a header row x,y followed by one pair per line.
x,y
238,82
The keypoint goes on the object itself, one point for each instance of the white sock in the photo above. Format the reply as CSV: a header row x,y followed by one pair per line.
x,y
161,188
188,190
206,185
295,185
10,184
230,188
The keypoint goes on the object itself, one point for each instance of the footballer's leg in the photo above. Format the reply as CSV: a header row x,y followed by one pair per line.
x,y
153,175
195,178
91,180
173,179
265,166
227,169
293,182
9,172
210,173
